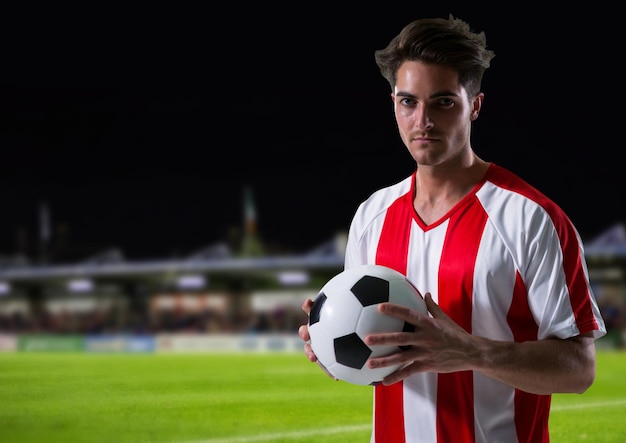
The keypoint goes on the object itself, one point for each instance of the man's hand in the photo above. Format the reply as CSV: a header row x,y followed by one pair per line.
x,y
437,344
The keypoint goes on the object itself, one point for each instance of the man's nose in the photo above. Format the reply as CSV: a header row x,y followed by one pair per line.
x,y
422,119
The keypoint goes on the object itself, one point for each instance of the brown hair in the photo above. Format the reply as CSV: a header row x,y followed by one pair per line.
x,y
448,42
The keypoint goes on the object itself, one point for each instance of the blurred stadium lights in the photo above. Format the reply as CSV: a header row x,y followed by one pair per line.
x,y
189,281
294,278
5,288
80,285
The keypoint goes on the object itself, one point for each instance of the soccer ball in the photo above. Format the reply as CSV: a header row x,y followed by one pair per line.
x,y
345,311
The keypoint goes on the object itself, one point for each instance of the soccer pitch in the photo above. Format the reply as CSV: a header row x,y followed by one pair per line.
x,y
232,398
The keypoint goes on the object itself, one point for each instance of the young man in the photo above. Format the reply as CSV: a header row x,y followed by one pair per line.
x,y
512,315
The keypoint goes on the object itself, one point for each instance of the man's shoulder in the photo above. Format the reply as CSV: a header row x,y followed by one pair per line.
x,y
380,200
372,210
390,193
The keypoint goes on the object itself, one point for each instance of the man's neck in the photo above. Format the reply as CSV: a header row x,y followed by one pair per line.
x,y
438,189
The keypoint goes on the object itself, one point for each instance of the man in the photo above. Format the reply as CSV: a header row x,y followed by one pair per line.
x,y
512,315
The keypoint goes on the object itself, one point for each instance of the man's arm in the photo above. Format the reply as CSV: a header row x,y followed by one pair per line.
x,y
438,344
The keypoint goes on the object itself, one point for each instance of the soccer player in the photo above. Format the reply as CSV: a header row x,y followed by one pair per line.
x,y
512,318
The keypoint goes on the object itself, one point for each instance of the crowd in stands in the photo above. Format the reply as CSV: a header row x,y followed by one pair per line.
x,y
115,321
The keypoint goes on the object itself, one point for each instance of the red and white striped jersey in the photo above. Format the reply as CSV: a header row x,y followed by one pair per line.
x,y
505,263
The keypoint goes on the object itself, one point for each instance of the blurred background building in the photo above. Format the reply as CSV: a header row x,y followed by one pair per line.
x,y
236,287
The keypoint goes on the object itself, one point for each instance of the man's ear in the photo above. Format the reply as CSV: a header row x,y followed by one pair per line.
x,y
477,104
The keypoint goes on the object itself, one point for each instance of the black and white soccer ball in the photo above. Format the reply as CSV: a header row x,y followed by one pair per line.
x,y
345,311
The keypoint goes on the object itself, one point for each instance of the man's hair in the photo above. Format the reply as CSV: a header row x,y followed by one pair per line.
x,y
448,42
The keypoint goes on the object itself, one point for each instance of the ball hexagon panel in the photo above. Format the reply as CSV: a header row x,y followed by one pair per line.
x,y
372,321
350,351
318,303
371,290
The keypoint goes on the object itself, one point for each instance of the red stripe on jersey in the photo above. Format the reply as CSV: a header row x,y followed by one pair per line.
x,y
392,252
575,275
455,396
520,318
389,413
532,427
580,298
393,244
530,423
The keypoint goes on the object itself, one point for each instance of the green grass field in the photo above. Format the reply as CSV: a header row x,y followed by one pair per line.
x,y
232,398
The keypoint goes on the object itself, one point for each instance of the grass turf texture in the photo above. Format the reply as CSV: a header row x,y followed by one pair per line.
x,y
232,398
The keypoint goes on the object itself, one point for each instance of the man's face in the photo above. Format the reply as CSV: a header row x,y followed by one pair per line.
x,y
433,112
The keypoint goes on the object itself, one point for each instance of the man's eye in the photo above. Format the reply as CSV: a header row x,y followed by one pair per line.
x,y
407,101
446,102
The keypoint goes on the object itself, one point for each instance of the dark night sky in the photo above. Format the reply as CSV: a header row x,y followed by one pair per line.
x,y
141,129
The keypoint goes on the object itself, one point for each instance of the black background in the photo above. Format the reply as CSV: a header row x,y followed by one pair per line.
x,y
141,128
